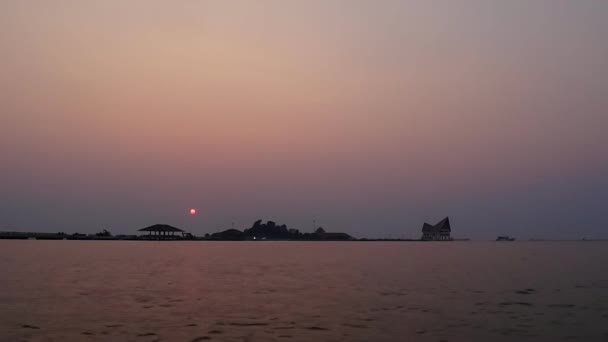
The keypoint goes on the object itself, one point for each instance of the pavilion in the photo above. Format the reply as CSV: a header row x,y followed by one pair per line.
x,y
439,232
162,232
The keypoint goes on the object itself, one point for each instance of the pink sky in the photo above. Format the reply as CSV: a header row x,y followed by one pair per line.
x,y
368,116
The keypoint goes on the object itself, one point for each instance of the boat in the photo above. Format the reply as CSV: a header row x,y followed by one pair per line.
x,y
505,238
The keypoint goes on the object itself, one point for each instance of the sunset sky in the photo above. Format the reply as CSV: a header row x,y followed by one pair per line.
x,y
367,116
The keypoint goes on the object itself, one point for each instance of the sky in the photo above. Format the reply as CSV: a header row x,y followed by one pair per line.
x,y
370,117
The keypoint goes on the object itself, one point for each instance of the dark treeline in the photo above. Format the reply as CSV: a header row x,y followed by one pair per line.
x,y
271,231
259,231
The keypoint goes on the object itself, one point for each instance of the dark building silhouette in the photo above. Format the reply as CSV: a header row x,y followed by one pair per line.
x,y
229,234
439,232
321,234
161,232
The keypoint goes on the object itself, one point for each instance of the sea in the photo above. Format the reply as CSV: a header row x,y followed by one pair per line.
x,y
303,291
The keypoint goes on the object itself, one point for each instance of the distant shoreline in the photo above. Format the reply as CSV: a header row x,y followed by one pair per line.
x,y
61,237
92,237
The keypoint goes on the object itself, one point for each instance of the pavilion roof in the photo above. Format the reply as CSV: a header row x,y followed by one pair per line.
x,y
443,225
160,228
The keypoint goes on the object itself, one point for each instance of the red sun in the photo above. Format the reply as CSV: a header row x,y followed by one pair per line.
x,y
192,211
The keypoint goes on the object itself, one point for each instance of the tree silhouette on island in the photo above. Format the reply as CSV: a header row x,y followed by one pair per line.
x,y
271,231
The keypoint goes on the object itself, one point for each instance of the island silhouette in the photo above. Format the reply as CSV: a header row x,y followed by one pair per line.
x,y
259,231
271,231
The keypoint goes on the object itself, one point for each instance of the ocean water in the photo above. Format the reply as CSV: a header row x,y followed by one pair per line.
x,y
303,291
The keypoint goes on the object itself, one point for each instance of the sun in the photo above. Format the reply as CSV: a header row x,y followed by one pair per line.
x,y
192,211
